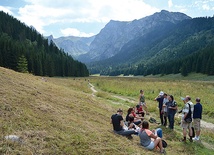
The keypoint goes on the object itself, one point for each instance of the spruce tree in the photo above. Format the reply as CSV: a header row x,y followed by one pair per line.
x,y
22,65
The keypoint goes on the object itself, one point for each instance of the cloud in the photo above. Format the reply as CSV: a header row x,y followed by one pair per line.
x,y
6,10
206,7
75,32
170,4
41,13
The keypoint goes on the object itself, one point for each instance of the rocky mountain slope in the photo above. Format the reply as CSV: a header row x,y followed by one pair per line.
x,y
74,46
116,34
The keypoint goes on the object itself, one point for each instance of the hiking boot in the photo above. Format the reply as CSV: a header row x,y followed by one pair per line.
x,y
190,140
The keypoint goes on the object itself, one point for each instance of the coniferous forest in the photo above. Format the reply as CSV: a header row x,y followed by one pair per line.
x,y
180,48
23,49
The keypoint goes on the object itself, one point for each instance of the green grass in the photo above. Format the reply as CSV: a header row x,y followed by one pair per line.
x,y
60,116
130,87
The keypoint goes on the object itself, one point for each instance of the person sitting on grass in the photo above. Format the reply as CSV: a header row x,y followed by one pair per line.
x,y
131,113
132,126
149,139
118,124
139,110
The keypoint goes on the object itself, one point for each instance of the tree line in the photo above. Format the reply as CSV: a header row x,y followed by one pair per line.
x,y
23,49
199,62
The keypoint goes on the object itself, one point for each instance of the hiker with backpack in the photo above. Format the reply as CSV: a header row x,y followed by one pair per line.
x,y
186,119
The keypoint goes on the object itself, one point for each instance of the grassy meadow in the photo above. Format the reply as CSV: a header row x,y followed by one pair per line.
x,y
60,116
130,87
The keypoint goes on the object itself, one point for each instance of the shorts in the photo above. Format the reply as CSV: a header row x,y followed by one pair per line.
x,y
143,103
197,124
151,146
186,125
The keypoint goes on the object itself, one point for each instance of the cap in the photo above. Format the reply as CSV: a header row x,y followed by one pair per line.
x,y
182,98
161,93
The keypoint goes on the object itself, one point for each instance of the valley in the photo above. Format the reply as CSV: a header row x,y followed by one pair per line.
x,y
61,116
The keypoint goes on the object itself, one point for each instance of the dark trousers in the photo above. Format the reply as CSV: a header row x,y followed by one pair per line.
x,y
161,116
165,119
125,132
171,118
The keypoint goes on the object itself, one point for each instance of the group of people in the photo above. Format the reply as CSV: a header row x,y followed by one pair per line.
x,y
135,123
148,138
191,114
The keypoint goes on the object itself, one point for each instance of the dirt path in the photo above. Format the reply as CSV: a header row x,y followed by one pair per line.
x,y
204,124
207,125
92,88
124,99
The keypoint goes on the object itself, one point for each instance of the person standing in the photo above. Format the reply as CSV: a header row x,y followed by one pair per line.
x,y
187,125
197,116
160,99
171,111
191,104
118,124
164,109
142,101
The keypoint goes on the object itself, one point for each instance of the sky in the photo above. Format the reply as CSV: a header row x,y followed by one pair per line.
x,y
86,18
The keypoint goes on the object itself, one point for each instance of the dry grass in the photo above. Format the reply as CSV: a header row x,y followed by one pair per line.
x,y
56,116
59,116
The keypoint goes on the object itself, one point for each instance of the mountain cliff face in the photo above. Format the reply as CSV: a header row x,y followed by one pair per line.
x,y
74,46
116,34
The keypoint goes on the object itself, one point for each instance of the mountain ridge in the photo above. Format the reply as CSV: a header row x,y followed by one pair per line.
x,y
116,34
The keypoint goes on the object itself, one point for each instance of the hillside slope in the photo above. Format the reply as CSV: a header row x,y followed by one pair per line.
x,y
23,49
61,116
55,116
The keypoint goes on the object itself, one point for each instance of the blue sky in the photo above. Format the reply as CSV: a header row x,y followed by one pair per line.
x,y
88,17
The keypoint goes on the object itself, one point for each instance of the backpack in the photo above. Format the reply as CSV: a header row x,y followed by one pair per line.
x,y
152,120
188,118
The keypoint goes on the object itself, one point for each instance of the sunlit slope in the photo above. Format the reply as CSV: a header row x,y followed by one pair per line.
x,y
56,116
60,116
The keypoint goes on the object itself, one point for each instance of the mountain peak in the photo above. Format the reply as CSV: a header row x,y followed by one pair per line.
x,y
164,11
164,15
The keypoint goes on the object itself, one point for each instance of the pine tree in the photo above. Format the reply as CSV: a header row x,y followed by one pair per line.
x,y
22,65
